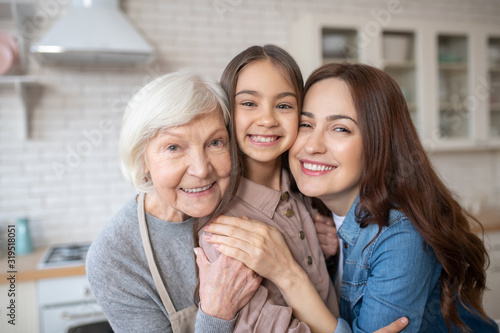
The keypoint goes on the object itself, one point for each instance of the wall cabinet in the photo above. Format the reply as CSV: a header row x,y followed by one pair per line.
x,y
13,14
449,73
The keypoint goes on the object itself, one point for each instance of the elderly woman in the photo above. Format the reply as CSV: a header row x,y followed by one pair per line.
x,y
174,149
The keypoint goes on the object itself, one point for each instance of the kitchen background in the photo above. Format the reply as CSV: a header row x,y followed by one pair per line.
x,y
65,177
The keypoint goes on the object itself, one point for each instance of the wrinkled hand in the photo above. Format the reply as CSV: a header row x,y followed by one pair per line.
x,y
395,327
226,285
327,235
258,245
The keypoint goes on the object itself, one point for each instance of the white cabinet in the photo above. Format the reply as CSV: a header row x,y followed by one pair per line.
x,y
68,304
26,308
448,73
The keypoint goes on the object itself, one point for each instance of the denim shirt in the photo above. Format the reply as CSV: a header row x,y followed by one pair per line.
x,y
395,275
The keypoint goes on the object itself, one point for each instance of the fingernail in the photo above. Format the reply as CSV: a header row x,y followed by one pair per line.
x,y
216,246
208,236
206,226
195,251
404,320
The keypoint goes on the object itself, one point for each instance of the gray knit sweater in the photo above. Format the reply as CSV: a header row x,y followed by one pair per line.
x,y
122,283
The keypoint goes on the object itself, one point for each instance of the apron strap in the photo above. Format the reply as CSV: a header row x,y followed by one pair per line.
x,y
146,242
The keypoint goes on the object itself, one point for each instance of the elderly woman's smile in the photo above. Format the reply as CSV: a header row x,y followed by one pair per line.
x,y
190,167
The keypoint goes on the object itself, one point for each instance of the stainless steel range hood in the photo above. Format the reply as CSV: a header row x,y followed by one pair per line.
x,y
93,32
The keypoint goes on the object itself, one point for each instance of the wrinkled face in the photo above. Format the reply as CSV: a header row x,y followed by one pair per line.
x,y
327,157
266,112
190,167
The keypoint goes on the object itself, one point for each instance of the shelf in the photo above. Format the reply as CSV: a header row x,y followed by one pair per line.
x,y
399,64
453,66
21,84
15,79
339,60
452,107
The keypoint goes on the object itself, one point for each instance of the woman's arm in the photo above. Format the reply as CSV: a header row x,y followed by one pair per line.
x,y
263,249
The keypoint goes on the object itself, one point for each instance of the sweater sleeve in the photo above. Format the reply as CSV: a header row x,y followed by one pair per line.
x,y
208,324
124,300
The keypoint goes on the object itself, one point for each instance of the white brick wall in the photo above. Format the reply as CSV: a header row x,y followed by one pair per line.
x,y
74,205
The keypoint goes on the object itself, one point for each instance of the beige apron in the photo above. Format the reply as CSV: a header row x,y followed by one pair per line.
x,y
181,321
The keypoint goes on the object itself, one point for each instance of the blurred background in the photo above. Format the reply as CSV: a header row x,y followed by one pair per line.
x,y
60,114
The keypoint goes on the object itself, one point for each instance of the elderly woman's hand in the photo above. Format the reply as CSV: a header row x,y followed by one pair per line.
x,y
258,245
226,285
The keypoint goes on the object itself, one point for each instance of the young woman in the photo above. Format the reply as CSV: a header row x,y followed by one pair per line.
x,y
406,243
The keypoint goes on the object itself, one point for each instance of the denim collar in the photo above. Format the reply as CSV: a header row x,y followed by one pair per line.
x,y
350,229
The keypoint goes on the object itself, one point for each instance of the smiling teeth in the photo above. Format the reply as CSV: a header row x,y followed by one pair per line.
x,y
196,190
264,138
317,167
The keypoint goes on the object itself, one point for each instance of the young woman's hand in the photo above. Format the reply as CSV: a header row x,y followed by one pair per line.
x,y
327,235
226,285
258,245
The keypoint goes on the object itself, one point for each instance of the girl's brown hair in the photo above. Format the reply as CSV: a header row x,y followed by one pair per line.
x,y
398,175
284,62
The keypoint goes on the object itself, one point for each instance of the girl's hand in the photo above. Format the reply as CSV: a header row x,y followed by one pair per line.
x,y
327,235
258,245
226,285
395,327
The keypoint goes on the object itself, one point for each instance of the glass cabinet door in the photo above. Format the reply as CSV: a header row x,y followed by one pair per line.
x,y
399,62
454,116
494,81
339,45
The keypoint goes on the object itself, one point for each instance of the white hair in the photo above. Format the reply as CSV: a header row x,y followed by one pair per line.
x,y
171,100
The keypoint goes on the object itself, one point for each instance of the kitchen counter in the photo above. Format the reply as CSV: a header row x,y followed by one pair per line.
x,y
489,218
27,270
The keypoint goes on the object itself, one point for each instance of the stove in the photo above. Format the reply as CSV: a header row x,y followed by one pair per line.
x,y
64,255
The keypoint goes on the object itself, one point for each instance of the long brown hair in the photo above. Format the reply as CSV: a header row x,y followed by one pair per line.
x,y
397,174
283,62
